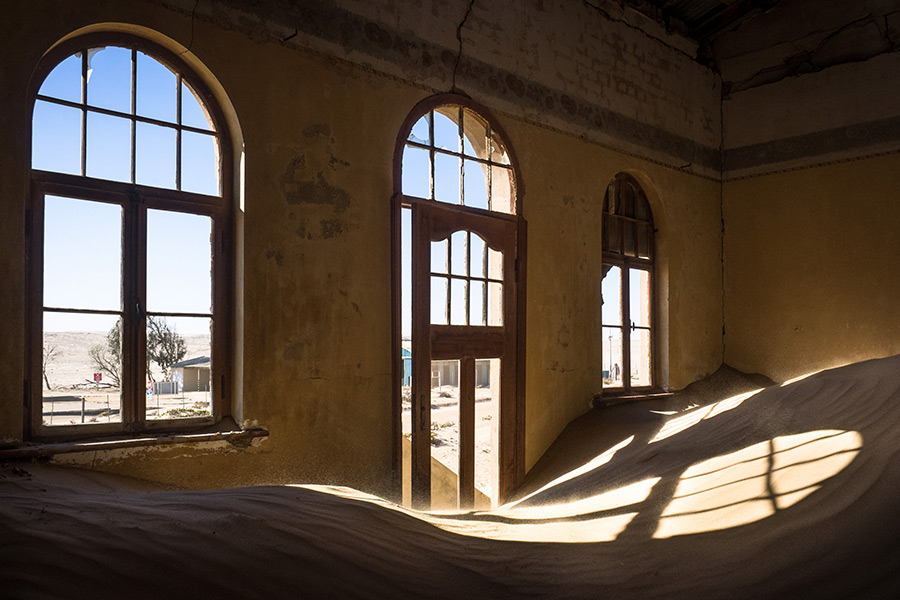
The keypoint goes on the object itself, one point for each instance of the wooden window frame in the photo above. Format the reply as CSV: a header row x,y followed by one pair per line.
x,y
621,259
399,201
135,200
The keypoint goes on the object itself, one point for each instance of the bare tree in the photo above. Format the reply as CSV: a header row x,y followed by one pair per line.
x,y
164,346
108,357
50,354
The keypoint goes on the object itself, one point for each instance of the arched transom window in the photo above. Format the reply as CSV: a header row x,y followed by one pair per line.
x,y
627,287
130,259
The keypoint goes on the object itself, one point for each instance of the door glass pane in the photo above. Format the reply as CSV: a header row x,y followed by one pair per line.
x,y
155,155
446,178
439,293
109,78
179,381
82,254
156,90
64,81
458,298
200,163
640,358
495,304
477,256
458,244
639,297
612,357
611,294
406,271
416,172
81,369
477,307
179,262
487,420
444,433
56,138
439,257
108,147
495,264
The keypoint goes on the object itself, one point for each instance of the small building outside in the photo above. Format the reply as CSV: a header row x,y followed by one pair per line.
x,y
192,374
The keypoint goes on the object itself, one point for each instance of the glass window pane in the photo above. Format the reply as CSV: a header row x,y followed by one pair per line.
x,y
420,132
645,235
200,163
416,172
640,357
611,294
475,184
179,381
56,138
82,254
502,196
109,78
446,178
495,304
179,262
498,151
477,315
458,298
444,433
79,348
639,297
155,160
458,243
64,81
477,255
406,268
487,419
475,141
495,264
612,357
446,129
439,257
439,300
156,90
192,113
108,147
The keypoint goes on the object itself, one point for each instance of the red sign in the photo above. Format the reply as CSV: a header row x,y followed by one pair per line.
x,y
98,377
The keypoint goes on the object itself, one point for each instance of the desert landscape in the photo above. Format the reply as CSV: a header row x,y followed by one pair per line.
x,y
734,488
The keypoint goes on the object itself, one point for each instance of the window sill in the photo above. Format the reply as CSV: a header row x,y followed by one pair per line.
x,y
605,400
238,437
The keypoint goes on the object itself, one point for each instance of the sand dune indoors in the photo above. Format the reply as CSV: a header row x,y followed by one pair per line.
x,y
782,493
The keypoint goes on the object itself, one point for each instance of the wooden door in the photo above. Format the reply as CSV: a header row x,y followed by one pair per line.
x,y
464,310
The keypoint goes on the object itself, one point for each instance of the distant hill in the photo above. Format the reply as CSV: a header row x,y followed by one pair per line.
x,y
72,363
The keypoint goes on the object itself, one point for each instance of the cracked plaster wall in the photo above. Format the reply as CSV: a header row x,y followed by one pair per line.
x,y
314,349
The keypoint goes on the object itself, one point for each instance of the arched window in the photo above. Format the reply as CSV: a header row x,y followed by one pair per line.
x,y
627,287
129,235
456,292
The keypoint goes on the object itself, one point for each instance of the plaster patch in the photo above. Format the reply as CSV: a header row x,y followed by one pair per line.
x,y
317,129
331,228
317,191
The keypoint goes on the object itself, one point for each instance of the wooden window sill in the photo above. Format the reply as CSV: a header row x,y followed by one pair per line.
x,y
237,437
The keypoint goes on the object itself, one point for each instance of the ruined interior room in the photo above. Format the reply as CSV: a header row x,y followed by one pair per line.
x,y
450,298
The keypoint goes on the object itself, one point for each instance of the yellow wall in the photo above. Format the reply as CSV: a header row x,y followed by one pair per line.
x,y
811,261
313,349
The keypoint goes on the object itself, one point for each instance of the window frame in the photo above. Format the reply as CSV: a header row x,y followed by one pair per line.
x,y
628,263
135,200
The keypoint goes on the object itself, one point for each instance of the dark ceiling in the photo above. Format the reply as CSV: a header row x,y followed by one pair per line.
x,y
701,20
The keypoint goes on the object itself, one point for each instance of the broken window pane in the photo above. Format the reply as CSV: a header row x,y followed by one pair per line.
x,y
446,129
421,131
439,257
611,293
109,78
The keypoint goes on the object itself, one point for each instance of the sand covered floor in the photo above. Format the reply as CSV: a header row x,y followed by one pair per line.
x,y
787,492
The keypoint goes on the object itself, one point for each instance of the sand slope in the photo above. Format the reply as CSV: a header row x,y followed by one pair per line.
x,y
784,493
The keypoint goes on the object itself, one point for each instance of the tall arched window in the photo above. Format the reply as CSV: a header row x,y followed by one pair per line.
x,y
129,242
627,287
457,332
